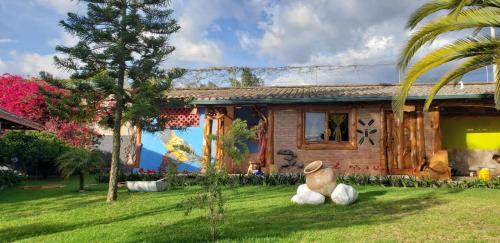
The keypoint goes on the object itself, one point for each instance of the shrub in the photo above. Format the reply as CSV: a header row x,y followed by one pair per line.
x,y
412,181
79,162
35,151
9,177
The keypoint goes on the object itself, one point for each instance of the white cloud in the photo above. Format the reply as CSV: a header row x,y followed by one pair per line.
x,y
7,40
201,51
30,64
197,18
3,67
62,6
66,39
299,31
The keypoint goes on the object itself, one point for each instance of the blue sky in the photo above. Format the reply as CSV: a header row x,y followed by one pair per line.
x,y
238,33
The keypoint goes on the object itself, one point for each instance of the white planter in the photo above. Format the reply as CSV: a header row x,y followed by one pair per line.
x,y
146,186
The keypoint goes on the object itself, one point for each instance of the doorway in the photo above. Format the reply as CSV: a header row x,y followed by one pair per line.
x,y
404,142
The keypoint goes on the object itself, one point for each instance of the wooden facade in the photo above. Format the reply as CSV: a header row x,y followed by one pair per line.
x,y
402,147
378,143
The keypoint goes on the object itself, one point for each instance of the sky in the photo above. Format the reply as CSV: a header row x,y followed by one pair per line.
x,y
253,33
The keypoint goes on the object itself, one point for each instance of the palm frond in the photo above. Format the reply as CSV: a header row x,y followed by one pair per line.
x,y
474,18
459,6
427,9
456,74
461,48
79,161
456,6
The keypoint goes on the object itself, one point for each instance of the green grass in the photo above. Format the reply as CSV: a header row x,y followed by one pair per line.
x,y
253,214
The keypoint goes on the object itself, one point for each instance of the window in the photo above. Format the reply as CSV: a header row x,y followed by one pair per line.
x,y
328,129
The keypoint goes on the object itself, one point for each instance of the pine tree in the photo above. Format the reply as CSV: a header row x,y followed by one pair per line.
x,y
247,79
122,43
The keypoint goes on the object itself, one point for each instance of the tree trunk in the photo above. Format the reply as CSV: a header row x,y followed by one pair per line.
x,y
82,177
115,153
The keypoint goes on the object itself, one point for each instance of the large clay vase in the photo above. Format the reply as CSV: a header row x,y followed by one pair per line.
x,y
320,178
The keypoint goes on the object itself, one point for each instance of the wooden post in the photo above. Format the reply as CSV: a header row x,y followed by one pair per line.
x,y
413,140
399,141
437,129
207,141
420,137
219,132
138,147
383,143
270,136
228,123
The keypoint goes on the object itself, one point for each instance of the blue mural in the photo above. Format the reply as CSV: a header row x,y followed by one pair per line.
x,y
156,146
160,145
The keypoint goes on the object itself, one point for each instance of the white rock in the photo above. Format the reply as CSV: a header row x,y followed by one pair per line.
x,y
344,194
306,196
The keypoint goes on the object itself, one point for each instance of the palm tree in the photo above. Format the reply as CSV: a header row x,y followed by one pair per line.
x,y
474,52
80,162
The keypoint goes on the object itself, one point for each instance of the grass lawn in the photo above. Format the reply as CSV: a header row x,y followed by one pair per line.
x,y
253,214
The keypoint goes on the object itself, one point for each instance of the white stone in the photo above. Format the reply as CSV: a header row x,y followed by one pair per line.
x,y
344,194
146,186
306,196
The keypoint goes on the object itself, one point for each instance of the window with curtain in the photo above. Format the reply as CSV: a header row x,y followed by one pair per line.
x,y
327,129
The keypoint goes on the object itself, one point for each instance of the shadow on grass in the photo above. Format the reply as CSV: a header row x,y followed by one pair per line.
x,y
277,222
275,218
70,189
10,234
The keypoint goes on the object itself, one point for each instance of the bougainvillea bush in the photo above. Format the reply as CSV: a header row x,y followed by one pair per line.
x,y
36,100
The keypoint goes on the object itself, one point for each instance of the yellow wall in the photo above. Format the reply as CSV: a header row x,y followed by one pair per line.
x,y
470,132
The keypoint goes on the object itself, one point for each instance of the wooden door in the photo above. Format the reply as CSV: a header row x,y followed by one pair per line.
x,y
401,144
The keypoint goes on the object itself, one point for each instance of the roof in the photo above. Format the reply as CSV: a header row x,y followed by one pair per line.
x,y
15,121
319,94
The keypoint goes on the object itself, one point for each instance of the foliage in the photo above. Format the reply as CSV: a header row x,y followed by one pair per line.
x,y
122,41
234,141
412,181
270,180
79,162
247,79
185,180
475,52
171,177
9,177
33,99
233,144
35,151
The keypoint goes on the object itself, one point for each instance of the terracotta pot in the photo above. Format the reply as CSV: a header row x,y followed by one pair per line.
x,y
320,178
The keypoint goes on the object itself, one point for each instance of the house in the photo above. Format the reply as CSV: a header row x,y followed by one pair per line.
x,y
349,127
9,120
